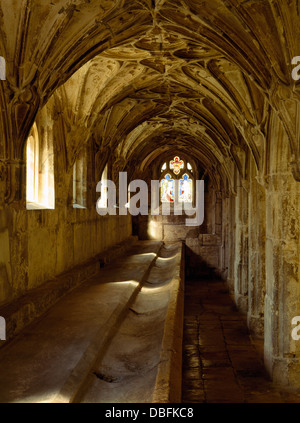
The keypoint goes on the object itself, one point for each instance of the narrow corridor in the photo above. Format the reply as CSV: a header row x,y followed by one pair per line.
x,y
221,361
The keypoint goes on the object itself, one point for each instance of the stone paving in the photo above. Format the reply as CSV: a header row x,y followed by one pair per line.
x,y
221,361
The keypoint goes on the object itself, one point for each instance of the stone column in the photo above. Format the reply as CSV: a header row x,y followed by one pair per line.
x,y
241,252
12,183
256,269
218,213
219,231
13,229
282,300
229,217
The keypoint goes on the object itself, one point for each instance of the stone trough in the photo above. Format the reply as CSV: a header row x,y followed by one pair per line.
x,y
116,338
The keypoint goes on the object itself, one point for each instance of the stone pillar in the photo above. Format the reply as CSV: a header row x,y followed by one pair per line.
x,y
220,232
282,300
241,253
256,269
12,183
13,229
229,214
218,213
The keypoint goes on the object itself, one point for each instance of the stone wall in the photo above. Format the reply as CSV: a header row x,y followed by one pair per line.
x,y
37,245
204,244
282,299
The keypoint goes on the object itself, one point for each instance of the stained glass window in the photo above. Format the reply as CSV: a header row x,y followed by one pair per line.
x,y
176,165
185,189
175,177
167,189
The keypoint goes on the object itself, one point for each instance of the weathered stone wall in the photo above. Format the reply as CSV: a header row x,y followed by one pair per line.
x,y
282,263
262,221
37,245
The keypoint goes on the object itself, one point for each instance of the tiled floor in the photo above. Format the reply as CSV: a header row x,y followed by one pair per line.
x,y
221,362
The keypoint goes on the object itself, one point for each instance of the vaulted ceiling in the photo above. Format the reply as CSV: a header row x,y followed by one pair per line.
x,y
142,77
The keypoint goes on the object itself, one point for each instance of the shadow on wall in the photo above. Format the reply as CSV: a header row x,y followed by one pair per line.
x,y
202,249
196,266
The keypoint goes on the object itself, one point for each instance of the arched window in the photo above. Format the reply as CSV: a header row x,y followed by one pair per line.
x,y
40,192
80,181
102,202
32,151
2,69
186,189
176,174
167,189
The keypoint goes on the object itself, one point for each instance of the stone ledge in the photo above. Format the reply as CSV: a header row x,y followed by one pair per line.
x,y
169,375
21,312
